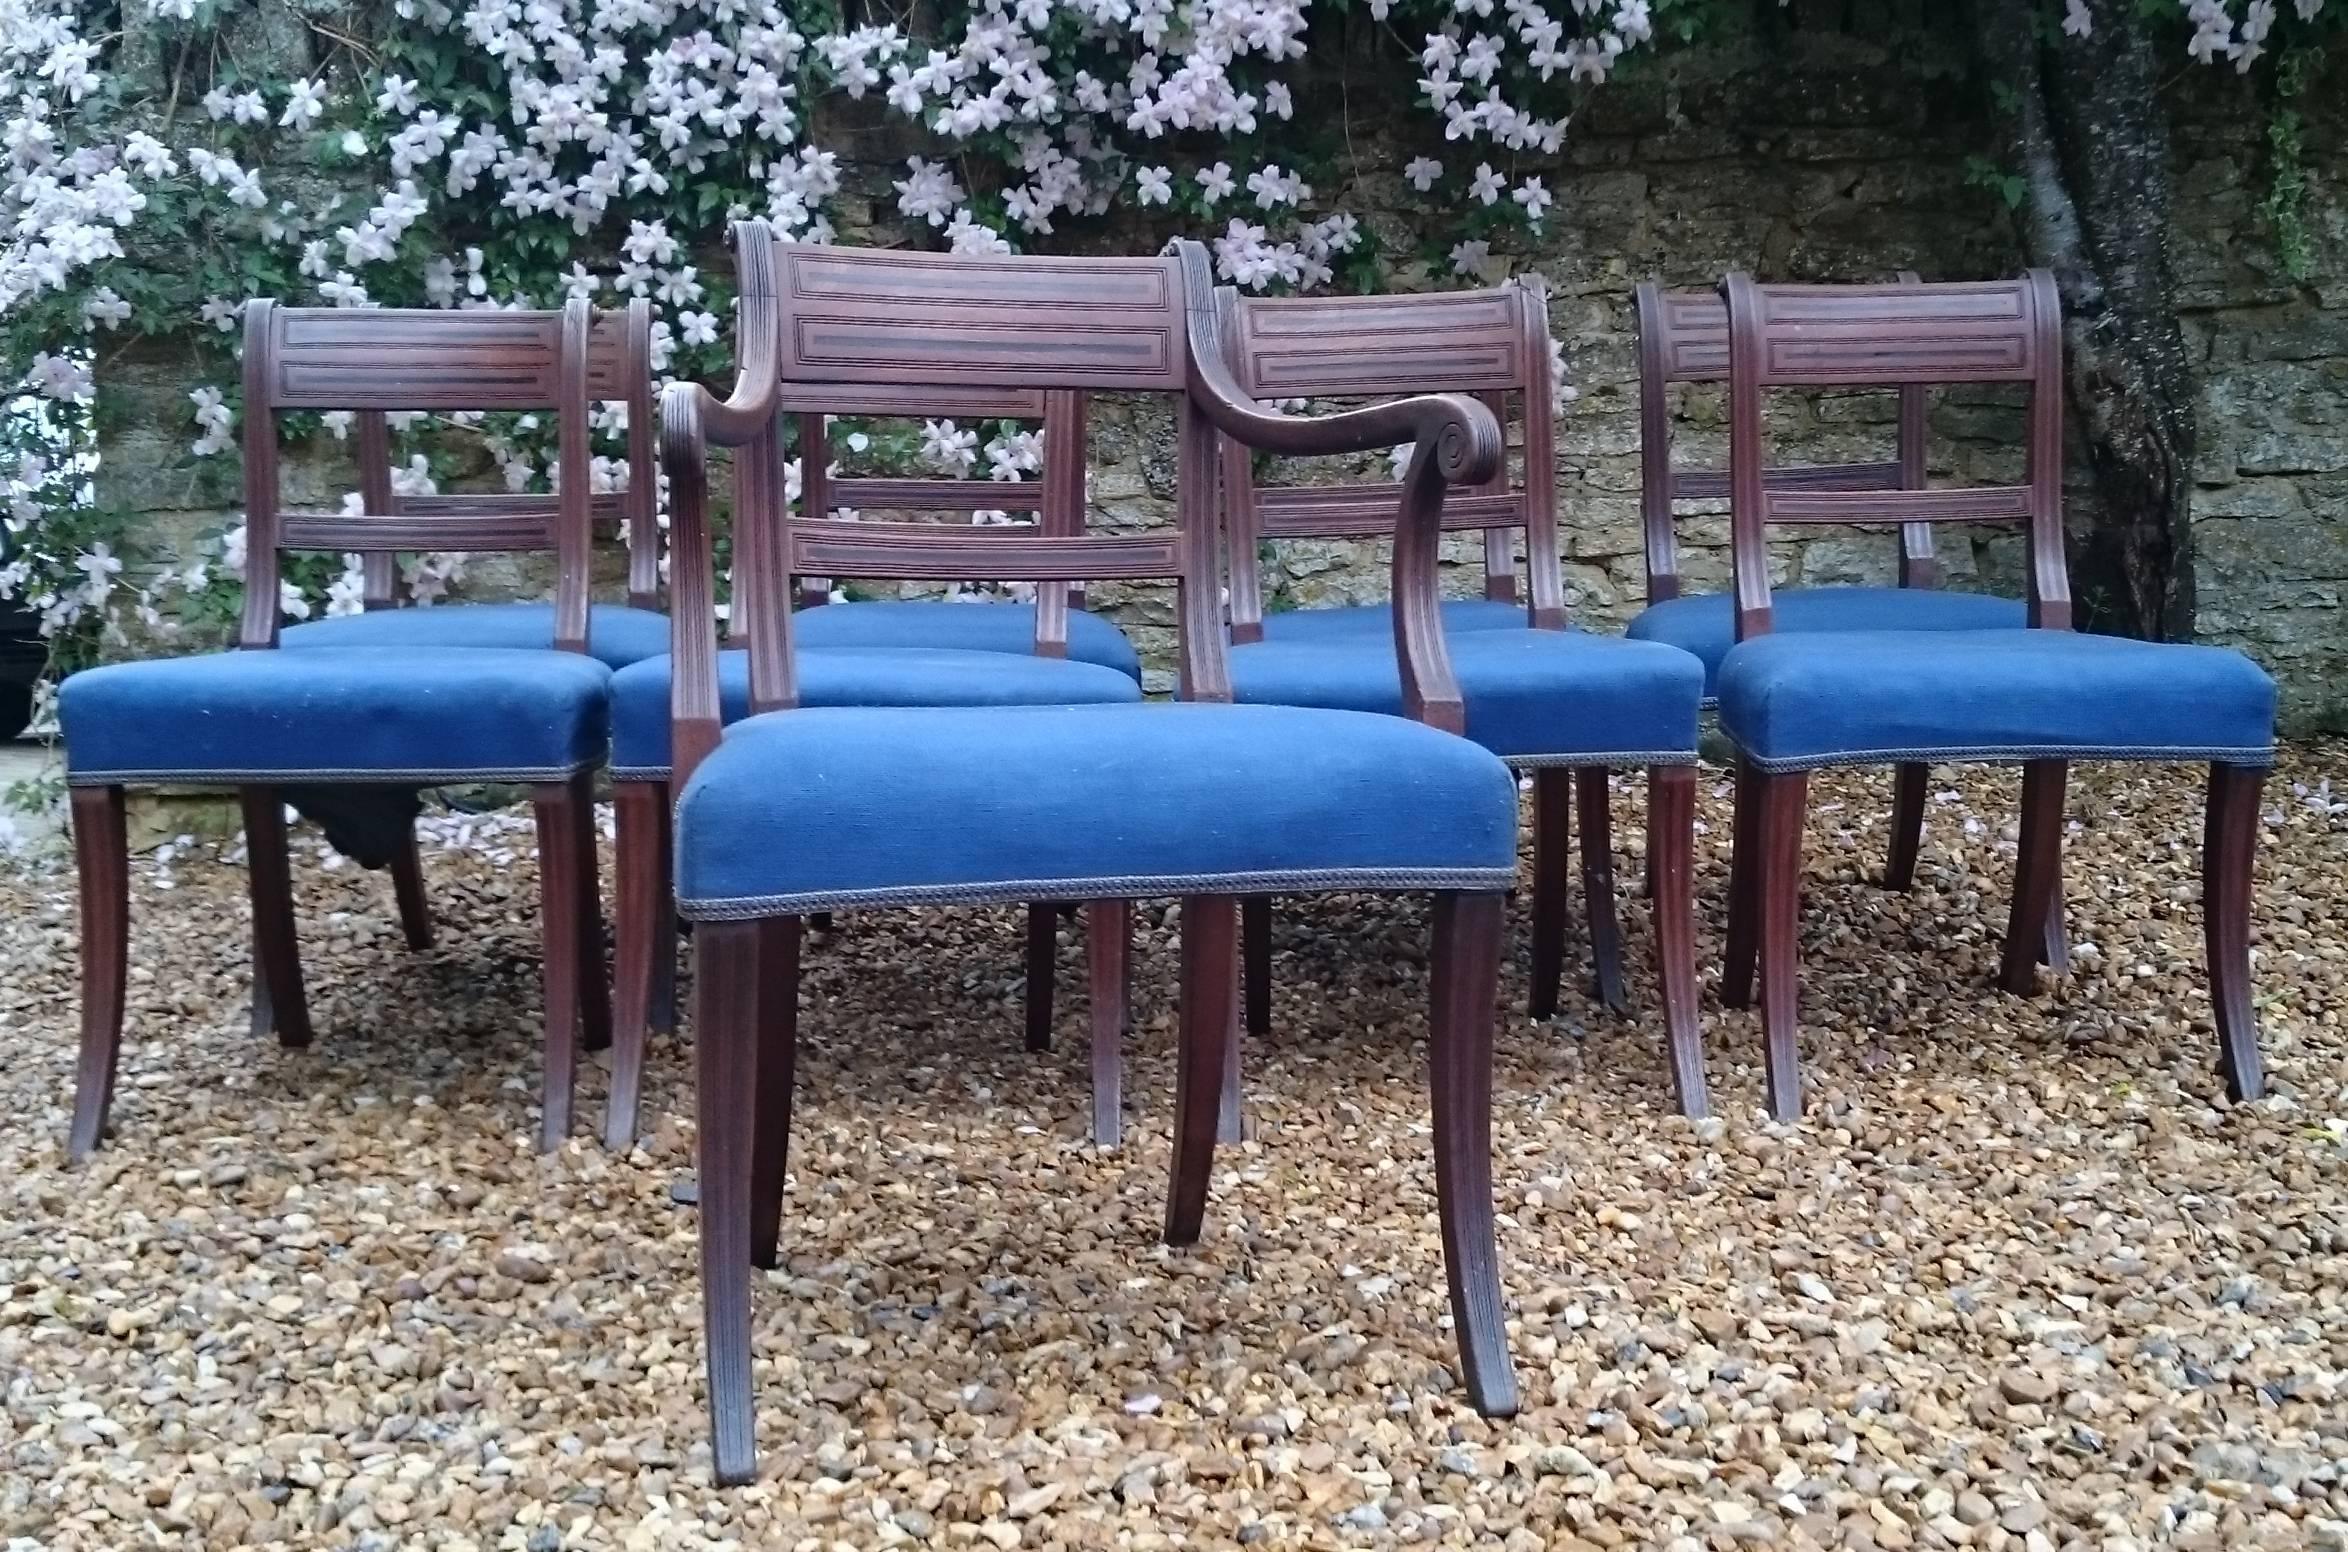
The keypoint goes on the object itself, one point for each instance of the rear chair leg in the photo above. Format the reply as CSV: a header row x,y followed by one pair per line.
x,y
1907,824
101,854
560,930
277,961
2229,840
1777,888
644,929
777,1017
2038,871
1592,798
1208,1021
1255,932
1552,857
1671,845
1108,927
1464,977
407,888
1043,928
594,980
725,1040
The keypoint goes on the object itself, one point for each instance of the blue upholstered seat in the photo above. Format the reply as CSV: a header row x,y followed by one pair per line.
x,y
1537,697
1706,623
819,809
883,676
1871,697
419,717
1352,621
965,627
615,635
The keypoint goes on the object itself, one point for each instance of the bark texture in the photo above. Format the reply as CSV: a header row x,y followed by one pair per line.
x,y
2090,136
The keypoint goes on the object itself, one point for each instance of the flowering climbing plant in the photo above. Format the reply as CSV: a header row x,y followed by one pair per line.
x,y
165,160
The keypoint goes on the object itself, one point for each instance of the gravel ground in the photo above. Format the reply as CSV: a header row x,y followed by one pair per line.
x,y
2022,1279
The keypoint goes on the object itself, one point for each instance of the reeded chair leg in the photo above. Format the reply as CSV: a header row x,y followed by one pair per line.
x,y
1907,824
561,872
1208,1021
1043,936
2038,869
1591,798
643,930
1671,846
1778,802
778,1060
1108,932
407,888
277,962
725,1040
101,854
2055,951
1255,955
1552,857
1464,986
1736,967
2229,842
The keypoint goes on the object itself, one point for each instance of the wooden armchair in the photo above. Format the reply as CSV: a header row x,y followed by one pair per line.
x,y
2040,695
1040,803
364,724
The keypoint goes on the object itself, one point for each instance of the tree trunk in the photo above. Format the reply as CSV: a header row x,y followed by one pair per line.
x,y
2090,138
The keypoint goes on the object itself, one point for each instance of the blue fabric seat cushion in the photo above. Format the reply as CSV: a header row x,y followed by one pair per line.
x,y
615,635
965,627
1352,621
1536,697
1706,623
1870,697
884,676
420,716
820,809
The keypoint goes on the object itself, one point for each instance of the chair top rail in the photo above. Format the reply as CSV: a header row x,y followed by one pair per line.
x,y
1382,346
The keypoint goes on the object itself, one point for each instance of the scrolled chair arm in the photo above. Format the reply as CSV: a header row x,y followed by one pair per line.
x,y
692,420
1456,441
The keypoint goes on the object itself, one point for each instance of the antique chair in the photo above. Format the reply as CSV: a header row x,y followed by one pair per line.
x,y
2039,695
798,810
272,722
1564,705
1011,655
619,370
1683,338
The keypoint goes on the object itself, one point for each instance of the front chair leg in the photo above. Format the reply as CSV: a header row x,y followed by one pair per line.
x,y
1043,935
101,854
1552,859
725,1040
1208,1019
277,962
1108,930
1778,801
2038,871
643,928
2229,841
407,889
1671,847
1907,823
1591,797
2055,952
778,1060
1255,958
1464,987
560,934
